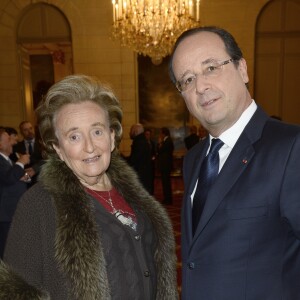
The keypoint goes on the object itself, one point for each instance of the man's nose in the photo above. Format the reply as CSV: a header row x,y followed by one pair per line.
x,y
201,84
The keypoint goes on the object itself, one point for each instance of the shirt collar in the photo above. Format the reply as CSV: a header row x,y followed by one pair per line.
x,y
29,141
231,135
3,155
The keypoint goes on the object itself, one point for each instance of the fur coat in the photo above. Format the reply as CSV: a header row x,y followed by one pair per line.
x,y
74,247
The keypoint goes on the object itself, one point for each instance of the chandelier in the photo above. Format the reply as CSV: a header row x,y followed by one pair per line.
x,y
151,27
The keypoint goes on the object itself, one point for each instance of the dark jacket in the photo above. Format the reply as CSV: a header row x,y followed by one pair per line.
x,y
247,243
56,245
191,140
36,159
165,155
11,188
141,160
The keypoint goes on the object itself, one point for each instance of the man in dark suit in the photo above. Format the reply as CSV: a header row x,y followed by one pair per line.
x,y
165,163
246,244
31,146
151,144
140,156
13,179
192,139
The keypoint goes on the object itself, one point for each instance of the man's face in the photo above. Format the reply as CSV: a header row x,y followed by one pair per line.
x,y
13,139
132,132
148,135
217,102
27,131
5,144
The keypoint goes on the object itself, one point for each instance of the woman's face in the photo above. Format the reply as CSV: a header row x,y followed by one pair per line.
x,y
85,141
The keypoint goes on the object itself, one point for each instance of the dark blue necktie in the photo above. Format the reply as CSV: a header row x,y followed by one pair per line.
x,y
208,173
30,148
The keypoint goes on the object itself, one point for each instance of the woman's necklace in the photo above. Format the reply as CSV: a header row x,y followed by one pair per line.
x,y
125,218
108,201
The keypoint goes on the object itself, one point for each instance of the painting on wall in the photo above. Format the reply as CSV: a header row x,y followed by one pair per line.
x,y
160,104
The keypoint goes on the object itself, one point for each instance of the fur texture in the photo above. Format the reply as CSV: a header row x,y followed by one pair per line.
x,y
13,287
78,248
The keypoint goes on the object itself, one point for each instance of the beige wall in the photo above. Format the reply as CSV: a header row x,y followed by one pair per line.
x,y
94,53
277,59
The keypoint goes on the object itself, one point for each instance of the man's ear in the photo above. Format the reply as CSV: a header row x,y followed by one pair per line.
x,y
243,70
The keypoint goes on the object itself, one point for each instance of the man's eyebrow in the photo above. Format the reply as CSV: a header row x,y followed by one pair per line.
x,y
205,62
208,61
184,73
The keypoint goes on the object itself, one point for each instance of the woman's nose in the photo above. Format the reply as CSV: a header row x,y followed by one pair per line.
x,y
89,144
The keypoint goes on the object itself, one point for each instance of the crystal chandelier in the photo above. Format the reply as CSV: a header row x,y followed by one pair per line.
x,y
151,27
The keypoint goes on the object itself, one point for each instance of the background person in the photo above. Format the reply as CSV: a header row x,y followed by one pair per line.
x,y
165,151
14,139
12,184
151,144
141,157
13,135
246,244
29,145
87,229
192,139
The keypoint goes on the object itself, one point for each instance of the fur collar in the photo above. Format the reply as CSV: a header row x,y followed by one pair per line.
x,y
14,287
77,235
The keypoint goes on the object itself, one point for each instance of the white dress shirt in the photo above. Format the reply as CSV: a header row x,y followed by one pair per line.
x,y
10,162
231,135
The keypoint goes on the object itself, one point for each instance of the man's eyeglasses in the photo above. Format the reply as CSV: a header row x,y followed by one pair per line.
x,y
213,69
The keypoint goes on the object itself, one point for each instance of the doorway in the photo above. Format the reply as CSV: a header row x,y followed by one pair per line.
x,y
277,62
45,52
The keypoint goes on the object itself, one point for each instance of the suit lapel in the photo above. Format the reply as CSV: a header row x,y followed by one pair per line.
x,y
5,161
236,163
191,180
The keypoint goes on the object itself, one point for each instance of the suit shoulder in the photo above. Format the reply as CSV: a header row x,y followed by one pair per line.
x,y
282,129
19,147
195,151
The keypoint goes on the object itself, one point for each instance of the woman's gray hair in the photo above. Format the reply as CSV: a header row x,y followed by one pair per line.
x,y
76,89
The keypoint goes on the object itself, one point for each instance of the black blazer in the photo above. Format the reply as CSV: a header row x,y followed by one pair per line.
x,y
191,140
11,188
141,160
165,155
247,244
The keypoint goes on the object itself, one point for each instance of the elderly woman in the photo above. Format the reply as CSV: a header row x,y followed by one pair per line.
x,y
87,230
